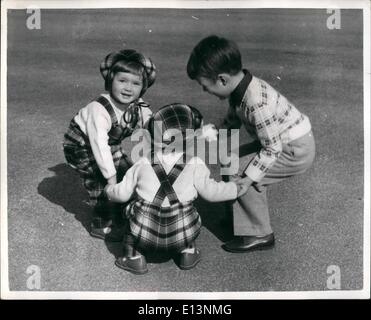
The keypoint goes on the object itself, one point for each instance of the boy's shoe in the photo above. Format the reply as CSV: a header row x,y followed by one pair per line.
x,y
136,265
189,260
249,243
110,233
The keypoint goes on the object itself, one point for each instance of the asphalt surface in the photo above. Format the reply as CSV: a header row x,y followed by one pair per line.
x,y
317,217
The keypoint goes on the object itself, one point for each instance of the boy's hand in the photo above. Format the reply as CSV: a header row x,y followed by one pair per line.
x,y
209,132
243,185
241,189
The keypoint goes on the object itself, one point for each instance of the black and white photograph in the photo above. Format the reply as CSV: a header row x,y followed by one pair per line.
x,y
185,150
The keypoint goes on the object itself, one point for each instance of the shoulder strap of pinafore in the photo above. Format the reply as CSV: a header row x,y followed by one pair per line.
x,y
141,105
167,180
107,105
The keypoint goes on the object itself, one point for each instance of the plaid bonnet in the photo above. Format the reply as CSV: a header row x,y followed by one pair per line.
x,y
176,118
130,55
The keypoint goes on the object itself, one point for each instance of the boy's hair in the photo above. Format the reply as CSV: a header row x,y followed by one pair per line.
x,y
212,56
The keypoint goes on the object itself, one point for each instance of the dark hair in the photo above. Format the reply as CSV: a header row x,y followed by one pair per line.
x,y
212,56
133,67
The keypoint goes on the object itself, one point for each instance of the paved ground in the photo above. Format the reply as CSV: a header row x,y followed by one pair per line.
x,y
317,218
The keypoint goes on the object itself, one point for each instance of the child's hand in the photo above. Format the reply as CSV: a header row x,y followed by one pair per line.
x,y
243,184
209,132
105,189
112,180
241,189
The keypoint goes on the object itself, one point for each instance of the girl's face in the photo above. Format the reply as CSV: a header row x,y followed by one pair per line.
x,y
126,87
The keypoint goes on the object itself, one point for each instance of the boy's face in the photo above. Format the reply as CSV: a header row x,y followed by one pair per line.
x,y
126,87
217,88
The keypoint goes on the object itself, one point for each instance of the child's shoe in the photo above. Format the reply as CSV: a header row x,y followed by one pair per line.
x,y
136,264
106,223
189,258
107,232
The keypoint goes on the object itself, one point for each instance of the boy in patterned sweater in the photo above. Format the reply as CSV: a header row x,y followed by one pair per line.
x,y
284,144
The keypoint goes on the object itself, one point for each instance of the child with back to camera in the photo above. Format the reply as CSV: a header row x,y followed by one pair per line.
x,y
92,144
163,187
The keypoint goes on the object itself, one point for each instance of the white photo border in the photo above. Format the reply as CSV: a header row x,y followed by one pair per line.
x,y
195,4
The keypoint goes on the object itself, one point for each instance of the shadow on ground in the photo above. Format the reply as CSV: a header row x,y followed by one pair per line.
x,y
65,189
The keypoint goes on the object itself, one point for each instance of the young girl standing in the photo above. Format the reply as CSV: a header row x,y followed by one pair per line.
x,y
92,144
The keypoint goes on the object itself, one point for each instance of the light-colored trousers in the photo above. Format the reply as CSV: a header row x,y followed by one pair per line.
x,y
250,211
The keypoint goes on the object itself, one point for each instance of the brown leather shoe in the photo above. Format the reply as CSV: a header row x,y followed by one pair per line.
x,y
249,243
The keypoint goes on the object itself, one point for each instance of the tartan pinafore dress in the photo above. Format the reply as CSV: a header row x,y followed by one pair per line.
x,y
153,227
79,155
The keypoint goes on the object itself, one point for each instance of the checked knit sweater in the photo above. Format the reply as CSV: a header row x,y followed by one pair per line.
x,y
267,117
